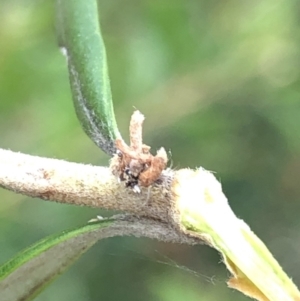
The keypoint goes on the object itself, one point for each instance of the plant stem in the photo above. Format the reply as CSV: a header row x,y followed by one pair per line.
x,y
79,184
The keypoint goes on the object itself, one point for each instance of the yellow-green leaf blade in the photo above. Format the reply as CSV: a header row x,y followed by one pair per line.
x,y
28,273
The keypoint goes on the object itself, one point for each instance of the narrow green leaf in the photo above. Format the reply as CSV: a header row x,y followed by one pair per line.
x,y
81,41
27,274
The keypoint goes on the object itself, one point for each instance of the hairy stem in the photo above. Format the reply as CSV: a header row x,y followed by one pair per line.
x,y
79,184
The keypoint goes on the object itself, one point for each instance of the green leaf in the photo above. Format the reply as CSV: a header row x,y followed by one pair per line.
x,y
81,41
27,274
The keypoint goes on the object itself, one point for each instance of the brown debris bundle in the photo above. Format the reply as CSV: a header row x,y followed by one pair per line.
x,y
135,164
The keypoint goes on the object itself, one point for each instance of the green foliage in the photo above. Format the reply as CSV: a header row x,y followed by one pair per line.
x,y
27,274
81,42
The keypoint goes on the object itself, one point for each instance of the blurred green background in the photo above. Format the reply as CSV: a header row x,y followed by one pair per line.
x,y
219,83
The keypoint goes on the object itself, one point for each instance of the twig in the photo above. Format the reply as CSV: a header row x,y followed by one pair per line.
x,y
79,184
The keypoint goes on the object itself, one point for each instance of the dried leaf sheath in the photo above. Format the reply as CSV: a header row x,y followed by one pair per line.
x,y
135,164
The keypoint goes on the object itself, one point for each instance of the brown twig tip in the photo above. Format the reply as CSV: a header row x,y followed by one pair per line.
x,y
136,131
135,164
